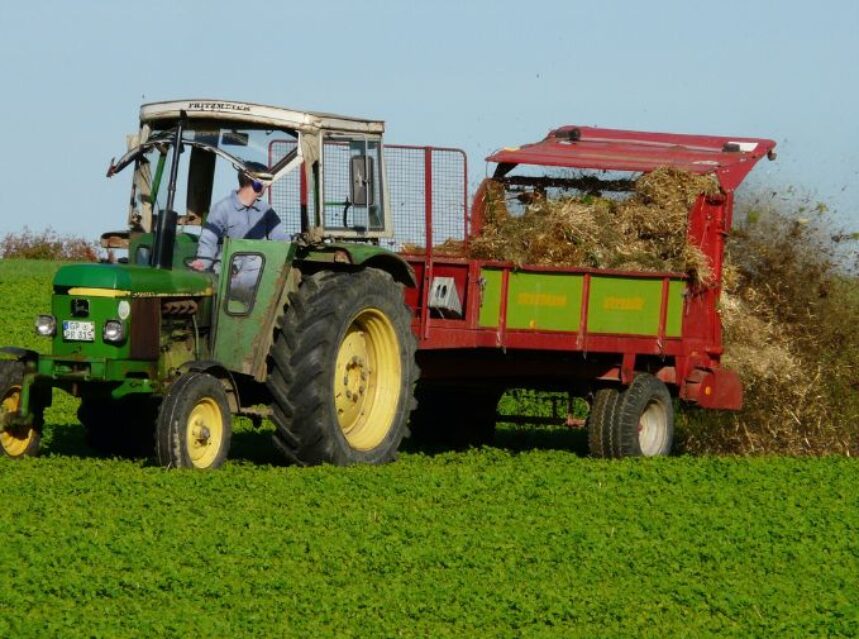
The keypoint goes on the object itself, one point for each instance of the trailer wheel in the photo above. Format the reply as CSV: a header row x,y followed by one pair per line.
x,y
194,424
343,370
123,427
457,417
16,441
644,423
601,422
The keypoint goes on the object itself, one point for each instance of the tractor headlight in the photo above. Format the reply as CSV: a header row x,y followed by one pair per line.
x,y
114,331
46,325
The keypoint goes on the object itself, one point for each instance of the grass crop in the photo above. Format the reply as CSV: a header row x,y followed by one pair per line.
x,y
524,539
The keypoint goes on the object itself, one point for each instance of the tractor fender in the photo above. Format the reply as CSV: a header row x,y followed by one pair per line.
x,y
217,370
398,268
351,256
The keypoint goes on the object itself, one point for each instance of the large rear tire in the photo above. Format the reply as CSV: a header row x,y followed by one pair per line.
x,y
195,424
20,440
343,370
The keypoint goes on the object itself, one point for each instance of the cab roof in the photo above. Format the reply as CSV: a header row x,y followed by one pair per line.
x,y
729,158
306,121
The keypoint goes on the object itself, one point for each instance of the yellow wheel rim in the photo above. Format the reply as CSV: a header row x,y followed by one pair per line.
x,y
16,440
205,432
367,379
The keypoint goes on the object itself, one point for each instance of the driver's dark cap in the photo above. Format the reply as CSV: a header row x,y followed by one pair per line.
x,y
244,178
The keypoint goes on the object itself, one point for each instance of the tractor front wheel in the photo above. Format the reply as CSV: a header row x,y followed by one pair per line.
x,y
20,440
194,424
343,370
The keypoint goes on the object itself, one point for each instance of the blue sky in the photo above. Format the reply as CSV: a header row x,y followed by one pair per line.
x,y
476,75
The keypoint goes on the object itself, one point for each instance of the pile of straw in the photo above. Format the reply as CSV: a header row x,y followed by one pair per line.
x,y
645,231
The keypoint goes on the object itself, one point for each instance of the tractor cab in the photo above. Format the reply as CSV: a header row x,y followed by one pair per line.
x,y
321,172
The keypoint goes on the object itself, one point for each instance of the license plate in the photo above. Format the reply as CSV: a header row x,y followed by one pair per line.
x,y
78,331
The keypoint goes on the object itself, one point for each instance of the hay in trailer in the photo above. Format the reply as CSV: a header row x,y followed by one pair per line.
x,y
645,231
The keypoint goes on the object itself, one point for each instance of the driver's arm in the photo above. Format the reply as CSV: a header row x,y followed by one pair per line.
x,y
213,231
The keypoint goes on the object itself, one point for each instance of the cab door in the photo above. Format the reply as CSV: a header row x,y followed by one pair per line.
x,y
253,275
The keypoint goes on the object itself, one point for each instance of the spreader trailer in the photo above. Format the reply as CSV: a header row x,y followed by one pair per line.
x,y
325,334
629,342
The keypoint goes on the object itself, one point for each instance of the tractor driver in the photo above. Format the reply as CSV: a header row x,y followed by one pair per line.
x,y
242,214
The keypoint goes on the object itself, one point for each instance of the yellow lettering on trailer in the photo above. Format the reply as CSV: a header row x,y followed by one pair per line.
x,y
541,299
623,303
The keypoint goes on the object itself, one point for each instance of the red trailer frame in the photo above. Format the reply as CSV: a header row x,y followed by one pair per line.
x,y
459,350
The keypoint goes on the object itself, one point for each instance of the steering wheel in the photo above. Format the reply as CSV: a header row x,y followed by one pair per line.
x,y
190,260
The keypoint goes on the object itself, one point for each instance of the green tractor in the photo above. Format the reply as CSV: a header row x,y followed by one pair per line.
x,y
312,332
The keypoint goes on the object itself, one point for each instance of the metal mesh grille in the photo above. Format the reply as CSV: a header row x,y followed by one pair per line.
x,y
406,167
406,172
337,186
285,194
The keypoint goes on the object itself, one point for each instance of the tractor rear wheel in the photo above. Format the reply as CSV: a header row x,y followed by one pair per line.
x,y
20,440
194,424
343,370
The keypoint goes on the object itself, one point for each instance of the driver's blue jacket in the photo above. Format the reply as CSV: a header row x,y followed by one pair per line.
x,y
230,218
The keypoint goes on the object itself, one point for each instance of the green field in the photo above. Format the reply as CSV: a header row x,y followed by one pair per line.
x,y
525,539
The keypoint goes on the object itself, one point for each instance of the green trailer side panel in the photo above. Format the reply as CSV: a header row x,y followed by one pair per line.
x,y
674,319
544,301
240,325
625,306
490,299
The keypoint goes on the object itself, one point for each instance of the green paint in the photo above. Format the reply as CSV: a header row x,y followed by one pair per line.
x,y
101,309
362,255
490,299
131,386
631,306
141,280
93,369
674,318
544,301
156,181
184,249
236,336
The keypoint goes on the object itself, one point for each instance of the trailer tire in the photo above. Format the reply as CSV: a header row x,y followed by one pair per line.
x,y
343,370
457,417
17,442
194,425
601,422
644,424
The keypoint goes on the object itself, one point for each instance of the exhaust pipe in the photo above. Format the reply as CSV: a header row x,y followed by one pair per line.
x,y
165,229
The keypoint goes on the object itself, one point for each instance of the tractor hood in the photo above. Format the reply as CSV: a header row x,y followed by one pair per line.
x,y
133,281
